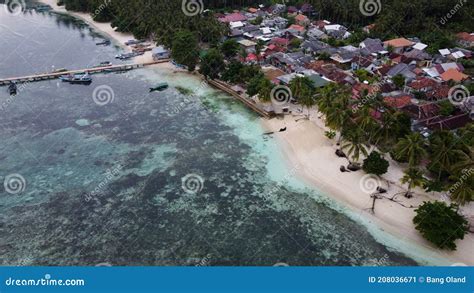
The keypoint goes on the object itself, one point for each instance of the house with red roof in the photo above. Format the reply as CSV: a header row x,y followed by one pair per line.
x,y
454,74
465,39
423,84
302,20
399,45
428,115
281,43
298,28
233,17
360,90
399,101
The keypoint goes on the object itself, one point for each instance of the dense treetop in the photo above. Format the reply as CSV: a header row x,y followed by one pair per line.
x,y
396,17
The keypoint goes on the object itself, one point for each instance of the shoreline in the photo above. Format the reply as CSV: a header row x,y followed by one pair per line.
x,y
319,168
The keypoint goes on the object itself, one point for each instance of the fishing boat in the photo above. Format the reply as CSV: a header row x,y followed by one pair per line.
x,y
160,87
13,89
134,42
103,64
127,56
180,66
77,78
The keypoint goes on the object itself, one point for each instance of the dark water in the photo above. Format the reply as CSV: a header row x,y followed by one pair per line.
x,y
111,184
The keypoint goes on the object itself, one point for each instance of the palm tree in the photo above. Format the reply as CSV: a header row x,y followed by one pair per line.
x,y
414,178
465,160
355,144
366,121
303,90
463,190
443,145
411,147
338,119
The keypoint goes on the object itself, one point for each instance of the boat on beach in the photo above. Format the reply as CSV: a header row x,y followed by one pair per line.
x,y
160,87
77,78
180,66
126,56
134,42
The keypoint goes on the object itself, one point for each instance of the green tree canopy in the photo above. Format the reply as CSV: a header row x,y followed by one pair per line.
x,y
185,49
212,64
375,164
412,148
230,48
440,224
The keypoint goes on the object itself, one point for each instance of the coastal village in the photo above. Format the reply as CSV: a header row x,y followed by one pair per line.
x,y
300,61
299,45
394,108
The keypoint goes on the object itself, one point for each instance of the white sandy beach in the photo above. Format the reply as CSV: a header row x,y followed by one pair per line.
x,y
305,145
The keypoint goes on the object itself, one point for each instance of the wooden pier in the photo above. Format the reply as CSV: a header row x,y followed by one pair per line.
x,y
48,76
226,88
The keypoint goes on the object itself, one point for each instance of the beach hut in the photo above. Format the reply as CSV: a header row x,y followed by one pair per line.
x,y
160,53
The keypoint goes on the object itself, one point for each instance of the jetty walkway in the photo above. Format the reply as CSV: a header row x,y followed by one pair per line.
x,y
54,75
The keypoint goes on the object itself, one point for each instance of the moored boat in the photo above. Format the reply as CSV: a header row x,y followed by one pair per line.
x,y
103,64
77,78
12,89
160,87
103,43
127,56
